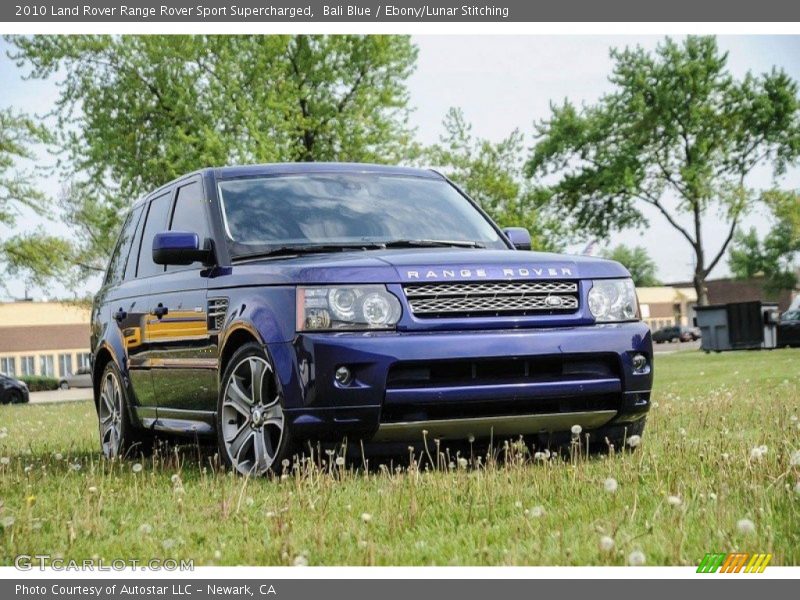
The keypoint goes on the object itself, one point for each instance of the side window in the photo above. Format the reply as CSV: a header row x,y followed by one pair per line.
x,y
133,252
156,223
189,214
116,267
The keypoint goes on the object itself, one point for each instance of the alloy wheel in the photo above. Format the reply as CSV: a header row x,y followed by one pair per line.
x,y
109,413
252,418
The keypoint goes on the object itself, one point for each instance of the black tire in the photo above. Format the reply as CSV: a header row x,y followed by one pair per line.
x,y
63,385
619,435
12,397
113,409
253,436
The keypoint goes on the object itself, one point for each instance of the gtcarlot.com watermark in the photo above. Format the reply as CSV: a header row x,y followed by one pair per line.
x,y
42,562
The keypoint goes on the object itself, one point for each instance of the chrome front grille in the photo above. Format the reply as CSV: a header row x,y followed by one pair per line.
x,y
217,308
492,298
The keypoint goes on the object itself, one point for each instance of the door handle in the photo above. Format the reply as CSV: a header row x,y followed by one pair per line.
x,y
160,310
120,315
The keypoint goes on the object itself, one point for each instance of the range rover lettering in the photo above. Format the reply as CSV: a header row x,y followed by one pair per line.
x,y
269,306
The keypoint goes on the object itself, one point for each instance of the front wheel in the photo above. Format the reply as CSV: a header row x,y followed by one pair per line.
x,y
63,385
252,432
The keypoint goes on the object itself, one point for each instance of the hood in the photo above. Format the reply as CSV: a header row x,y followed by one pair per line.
x,y
425,265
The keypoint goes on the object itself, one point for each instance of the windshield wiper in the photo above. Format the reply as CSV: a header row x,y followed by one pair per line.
x,y
431,244
310,249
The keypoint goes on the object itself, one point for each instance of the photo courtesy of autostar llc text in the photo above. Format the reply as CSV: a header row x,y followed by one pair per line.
x,y
390,298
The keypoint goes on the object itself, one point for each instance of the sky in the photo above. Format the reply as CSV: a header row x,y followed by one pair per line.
x,y
501,83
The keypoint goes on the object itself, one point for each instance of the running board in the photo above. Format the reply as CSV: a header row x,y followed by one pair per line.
x,y
482,427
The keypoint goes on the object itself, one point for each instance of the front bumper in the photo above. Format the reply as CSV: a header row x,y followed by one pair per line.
x,y
461,383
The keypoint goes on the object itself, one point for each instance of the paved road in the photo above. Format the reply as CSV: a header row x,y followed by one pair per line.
x,y
676,347
61,395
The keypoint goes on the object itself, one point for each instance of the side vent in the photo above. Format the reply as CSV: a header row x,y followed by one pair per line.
x,y
217,308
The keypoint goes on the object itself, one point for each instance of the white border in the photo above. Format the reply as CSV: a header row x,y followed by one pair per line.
x,y
414,28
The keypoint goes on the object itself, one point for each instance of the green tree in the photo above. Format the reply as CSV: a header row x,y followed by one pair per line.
x,y
18,134
637,261
678,134
492,174
774,256
137,111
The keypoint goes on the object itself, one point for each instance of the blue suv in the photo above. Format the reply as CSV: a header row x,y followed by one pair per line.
x,y
271,306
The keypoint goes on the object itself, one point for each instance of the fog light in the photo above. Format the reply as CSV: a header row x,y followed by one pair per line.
x,y
640,365
343,375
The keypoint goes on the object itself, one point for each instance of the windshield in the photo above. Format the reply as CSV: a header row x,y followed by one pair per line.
x,y
347,209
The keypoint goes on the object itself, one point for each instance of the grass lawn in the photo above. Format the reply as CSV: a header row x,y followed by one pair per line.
x,y
682,494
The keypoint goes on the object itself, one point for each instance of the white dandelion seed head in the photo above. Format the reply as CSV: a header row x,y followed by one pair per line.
x,y
4,460
756,454
610,485
637,558
794,459
634,441
518,504
300,560
269,514
249,501
537,511
764,449
576,429
366,517
712,496
59,456
745,526
471,439
606,543
7,522
462,462
340,461
285,463
137,467
175,479
145,529
540,456
674,501
92,489
168,544
682,431
217,554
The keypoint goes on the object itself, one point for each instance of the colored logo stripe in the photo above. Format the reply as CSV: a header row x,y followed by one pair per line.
x,y
734,562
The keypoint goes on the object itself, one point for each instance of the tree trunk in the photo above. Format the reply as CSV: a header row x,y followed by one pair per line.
x,y
700,287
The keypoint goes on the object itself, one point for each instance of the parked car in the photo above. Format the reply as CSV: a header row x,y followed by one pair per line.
x,y
789,329
13,391
676,334
82,378
270,306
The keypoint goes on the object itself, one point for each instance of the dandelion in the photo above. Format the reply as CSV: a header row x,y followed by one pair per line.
x,y
674,501
269,514
682,431
756,454
795,459
610,485
300,561
539,456
712,496
340,461
59,456
4,460
797,488
606,543
249,501
462,463
145,529
537,511
576,429
175,479
745,526
366,517
7,522
517,504
285,463
168,544
636,558
3,433
137,467
92,489
634,441
217,554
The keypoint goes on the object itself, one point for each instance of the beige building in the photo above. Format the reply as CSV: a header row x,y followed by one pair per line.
x,y
50,339
664,306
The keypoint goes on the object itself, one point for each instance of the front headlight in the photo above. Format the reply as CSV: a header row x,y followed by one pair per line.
x,y
346,307
613,300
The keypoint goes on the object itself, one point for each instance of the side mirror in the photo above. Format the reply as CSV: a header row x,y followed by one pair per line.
x,y
178,248
519,237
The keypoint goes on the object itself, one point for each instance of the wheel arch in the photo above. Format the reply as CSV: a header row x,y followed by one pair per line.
x,y
236,337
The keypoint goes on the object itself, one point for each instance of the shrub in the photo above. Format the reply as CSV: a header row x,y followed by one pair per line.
x,y
38,383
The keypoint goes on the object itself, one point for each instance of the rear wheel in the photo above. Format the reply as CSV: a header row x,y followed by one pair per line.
x,y
118,436
12,397
251,426
63,385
